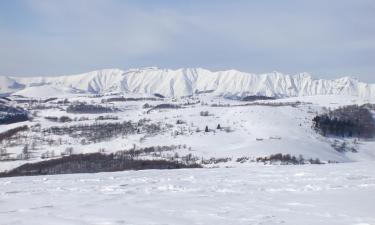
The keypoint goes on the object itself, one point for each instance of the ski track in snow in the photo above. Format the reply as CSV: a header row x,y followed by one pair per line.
x,y
310,194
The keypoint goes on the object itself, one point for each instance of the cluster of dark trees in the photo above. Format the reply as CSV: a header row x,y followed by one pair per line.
x,y
61,119
4,155
42,106
159,95
180,121
204,113
106,117
9,114
4,99
347,121
123,99
9,133
218,127
87,108
13,118
270,104
252,98
287,159
49,99
243,159
165,106
273,104
203,92
214,160
93,163
63,102
95,132
343,147
26,100
135,153
188,103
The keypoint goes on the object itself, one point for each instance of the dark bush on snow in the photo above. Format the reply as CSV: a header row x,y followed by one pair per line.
x,y
86,108
251,98
122,99
165,106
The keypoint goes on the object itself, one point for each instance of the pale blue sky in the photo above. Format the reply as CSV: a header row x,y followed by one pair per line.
x,y
328,39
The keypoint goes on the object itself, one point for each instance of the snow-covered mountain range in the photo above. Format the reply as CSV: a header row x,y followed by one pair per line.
x,y
182,82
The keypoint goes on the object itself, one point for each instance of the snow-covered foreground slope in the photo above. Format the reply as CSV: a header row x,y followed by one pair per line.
x,y
310,194
182,82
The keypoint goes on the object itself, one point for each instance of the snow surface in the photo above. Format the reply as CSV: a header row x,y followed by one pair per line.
x,y
48,90
310,194
187,81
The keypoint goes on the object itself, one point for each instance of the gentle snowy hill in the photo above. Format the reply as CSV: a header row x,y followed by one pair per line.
x,y
48,91
9,85
182,82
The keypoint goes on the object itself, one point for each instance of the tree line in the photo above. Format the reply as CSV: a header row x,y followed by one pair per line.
x,y
94,163
347,121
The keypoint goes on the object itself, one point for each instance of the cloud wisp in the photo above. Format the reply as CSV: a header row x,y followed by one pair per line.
x,y
329,39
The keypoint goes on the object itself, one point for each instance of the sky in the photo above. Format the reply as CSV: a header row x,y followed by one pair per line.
x,y
328,39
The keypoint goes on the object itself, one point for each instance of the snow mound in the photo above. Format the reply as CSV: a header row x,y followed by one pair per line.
x,y
9,85
46,91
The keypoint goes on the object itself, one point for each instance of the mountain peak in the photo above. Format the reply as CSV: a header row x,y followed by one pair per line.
x,y
187,81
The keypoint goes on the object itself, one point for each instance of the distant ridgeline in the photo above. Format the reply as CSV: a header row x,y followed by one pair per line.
x,y
347,121
162,83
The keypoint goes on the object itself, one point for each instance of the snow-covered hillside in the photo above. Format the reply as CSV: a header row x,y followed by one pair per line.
x,y
333,194
247,129
183,82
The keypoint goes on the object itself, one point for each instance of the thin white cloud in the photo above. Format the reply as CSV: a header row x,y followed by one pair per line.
x,y
70,36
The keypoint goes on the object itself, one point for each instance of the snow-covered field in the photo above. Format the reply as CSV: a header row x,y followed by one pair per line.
x,y
309,194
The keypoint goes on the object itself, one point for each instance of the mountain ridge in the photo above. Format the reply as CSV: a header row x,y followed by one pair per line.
x,y
188,81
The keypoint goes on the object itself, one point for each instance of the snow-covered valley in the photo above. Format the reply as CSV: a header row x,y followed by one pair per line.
x,y
289,150
203,126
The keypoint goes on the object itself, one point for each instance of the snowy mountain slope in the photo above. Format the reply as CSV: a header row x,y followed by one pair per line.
x,y
9,85
92,82
182,82
48,90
